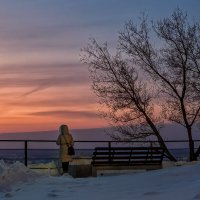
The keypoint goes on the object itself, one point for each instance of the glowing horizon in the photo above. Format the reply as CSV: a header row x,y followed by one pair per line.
x,y
43,83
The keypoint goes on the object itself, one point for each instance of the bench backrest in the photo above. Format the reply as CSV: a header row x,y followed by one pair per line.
x,y
127,156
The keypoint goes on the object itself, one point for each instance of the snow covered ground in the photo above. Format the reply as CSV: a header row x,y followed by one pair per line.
x,y
181,182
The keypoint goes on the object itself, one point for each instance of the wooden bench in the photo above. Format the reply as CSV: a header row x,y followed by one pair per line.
x,y
148,158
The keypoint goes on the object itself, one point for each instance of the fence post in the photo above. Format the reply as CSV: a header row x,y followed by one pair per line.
x,y
109,147
25,152
109,144
151,145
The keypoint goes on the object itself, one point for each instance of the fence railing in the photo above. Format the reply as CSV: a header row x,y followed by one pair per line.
x,y
34,144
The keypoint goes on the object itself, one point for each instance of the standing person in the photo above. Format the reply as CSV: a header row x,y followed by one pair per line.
x,y
65,140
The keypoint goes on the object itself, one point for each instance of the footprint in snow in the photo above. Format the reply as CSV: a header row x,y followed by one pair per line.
x,y
197,196
151,193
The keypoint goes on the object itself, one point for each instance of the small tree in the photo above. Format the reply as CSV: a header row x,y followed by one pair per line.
x,y
131,82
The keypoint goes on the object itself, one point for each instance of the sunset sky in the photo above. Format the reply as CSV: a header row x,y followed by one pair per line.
x,y
43,83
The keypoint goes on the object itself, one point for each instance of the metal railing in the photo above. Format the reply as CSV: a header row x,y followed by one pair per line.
x,y
26,144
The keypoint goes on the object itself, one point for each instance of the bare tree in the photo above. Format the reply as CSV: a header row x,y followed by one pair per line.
x,y
139,74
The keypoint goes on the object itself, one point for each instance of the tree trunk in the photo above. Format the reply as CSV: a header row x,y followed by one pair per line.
x,y
193,156
163,145
160,140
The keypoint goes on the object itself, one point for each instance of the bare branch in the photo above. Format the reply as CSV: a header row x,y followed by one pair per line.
x,y
127,82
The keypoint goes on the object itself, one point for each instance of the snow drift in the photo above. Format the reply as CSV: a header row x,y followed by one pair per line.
x,y
13,174
180,182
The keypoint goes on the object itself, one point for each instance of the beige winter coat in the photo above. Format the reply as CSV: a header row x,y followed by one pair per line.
x,y
65,141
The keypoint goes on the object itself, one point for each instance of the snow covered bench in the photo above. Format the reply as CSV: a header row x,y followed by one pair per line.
x,y
149,158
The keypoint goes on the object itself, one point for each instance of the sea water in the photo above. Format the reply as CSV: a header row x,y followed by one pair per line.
x,y
48,155
38,155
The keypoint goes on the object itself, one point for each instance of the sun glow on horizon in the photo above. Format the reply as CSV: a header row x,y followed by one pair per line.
x,y
43,82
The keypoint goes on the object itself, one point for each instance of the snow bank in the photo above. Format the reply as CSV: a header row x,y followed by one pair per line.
x,y
179,182
13,174
81,161
50,168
